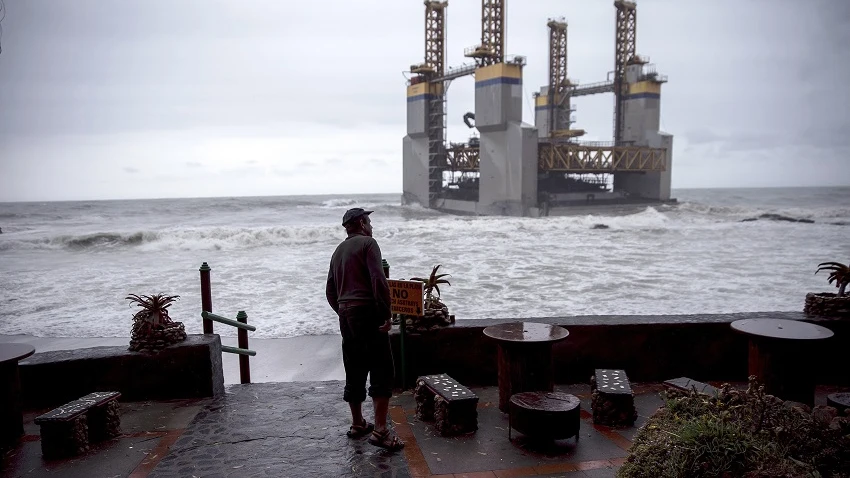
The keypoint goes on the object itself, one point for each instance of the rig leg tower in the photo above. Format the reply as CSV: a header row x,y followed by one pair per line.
x,y
638,109
424,146
508,147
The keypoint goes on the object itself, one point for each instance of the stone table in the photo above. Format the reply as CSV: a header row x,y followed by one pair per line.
x,y
524,357
782,355
11,416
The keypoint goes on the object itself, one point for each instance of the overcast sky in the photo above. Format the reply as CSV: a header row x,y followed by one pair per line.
x,y
171,98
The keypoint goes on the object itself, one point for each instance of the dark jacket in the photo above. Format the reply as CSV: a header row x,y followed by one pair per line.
x,y
356,276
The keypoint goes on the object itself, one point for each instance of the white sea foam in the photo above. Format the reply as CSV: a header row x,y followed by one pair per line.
x,y
67,267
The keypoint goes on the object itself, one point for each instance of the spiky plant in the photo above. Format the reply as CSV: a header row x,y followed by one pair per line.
x,y
432,284
840,275
153,314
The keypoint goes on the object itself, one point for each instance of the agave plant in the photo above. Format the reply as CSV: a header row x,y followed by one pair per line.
x,y
436,314
432,283
154,313
840,274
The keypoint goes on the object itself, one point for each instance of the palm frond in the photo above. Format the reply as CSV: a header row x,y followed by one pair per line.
x,y
832,266
154,308
433,281
840,274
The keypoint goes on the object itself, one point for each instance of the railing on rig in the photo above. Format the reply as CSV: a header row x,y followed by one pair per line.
x,y
241,323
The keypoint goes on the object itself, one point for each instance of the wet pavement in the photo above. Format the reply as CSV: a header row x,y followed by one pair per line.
x,y
147,428
297,429
277,429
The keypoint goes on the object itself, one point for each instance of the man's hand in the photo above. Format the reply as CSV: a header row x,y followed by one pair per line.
x,y
386,327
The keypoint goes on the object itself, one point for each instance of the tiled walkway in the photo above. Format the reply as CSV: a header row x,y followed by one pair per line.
x,y
489,453
297,429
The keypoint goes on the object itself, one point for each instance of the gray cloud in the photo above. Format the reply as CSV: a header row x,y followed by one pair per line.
x,y
209,83
130,170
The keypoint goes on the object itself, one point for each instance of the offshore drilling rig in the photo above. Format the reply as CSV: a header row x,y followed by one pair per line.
x,y
513,168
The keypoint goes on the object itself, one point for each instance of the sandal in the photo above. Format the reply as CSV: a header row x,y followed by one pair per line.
x,y
357,431
387,440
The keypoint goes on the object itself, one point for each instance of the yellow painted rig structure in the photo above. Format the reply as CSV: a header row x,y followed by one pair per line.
x,y
513,168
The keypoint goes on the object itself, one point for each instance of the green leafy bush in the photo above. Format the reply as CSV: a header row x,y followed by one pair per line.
x,y
743,433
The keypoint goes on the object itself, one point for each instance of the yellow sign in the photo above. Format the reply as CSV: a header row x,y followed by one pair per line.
x,y
407,297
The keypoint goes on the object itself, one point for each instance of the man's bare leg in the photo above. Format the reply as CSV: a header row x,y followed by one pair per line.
x,y
382,405
356,413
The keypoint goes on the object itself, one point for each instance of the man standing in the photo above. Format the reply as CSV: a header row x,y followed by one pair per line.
x,y
357,291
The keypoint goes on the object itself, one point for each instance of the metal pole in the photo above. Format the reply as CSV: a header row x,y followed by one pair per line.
x,y
386,266
206,296
401,327
242,336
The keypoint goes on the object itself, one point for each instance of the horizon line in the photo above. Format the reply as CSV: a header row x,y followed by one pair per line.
x,y
362,194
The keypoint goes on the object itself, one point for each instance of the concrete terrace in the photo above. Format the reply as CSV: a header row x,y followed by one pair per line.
x,y
298,429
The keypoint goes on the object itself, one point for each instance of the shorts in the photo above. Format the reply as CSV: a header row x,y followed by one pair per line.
x,y
365,351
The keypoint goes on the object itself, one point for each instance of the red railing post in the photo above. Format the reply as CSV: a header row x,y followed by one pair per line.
x,y
206,296
242,337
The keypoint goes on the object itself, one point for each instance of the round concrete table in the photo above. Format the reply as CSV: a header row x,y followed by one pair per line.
x,y
525,357
782,355
11,415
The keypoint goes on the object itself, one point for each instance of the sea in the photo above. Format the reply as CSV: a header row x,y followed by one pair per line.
x,y
66,268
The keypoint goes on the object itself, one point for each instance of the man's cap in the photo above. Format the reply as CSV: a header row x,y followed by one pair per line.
x,y
354,213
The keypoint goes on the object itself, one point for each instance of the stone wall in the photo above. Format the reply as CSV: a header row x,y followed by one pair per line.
x,y
189,369
648,348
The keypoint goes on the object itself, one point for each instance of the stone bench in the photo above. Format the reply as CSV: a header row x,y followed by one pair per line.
x,y
453,407
68,430
612,398
685,384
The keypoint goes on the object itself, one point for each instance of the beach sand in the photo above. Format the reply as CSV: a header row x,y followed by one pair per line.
x,y
294,359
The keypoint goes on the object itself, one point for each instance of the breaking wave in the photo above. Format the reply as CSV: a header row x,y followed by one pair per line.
x,y
338,202
743,212
216,238
412,223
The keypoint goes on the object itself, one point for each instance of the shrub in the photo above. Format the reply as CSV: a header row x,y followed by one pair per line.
x,y
737,433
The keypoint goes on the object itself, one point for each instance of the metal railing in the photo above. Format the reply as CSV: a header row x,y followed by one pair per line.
x,y
241,323
592,88
457,72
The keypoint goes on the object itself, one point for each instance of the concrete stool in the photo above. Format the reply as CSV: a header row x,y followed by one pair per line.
x,y
453,407
612,399
547,415
841,402
685,384
68,430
